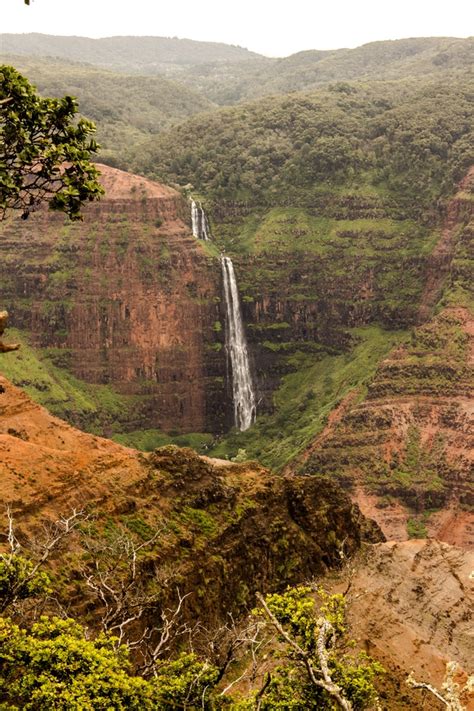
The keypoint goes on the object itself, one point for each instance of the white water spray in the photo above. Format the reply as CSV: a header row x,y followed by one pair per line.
x,y
242,387
195,219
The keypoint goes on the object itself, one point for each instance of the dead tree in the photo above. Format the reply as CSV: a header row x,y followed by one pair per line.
x,y
127,598
19,573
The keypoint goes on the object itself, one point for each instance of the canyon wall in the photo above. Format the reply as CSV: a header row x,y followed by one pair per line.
x,y
310,275
127,297
404,444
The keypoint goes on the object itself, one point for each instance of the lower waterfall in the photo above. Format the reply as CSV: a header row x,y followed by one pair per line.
x,y
242,387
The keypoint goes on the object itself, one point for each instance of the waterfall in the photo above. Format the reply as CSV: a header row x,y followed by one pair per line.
x,y
242,387
195,219
199,222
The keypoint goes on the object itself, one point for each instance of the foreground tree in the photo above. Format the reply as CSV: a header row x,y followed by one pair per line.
x,y
143,658
318,673
45,153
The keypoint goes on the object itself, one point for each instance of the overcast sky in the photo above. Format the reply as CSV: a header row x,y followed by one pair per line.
x,y
271,27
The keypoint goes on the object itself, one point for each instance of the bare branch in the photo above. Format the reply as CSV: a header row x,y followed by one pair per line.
x,y
12,540
451,692
325,628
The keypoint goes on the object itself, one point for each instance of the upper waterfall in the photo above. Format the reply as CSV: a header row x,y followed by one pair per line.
x,y
245,407
199,222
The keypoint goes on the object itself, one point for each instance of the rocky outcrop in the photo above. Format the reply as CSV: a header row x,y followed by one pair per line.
x,y
128,298
236,525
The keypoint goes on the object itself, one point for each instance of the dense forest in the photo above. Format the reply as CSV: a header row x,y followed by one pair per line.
x,y
412,139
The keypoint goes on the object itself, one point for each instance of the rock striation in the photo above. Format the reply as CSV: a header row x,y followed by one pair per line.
x,y
126,298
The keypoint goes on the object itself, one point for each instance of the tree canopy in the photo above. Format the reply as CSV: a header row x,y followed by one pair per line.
x,y
45,153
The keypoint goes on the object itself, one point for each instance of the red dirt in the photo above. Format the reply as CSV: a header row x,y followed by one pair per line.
x,y
410,606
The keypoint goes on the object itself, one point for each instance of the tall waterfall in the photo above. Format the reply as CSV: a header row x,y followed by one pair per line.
x,y
244,396
199,222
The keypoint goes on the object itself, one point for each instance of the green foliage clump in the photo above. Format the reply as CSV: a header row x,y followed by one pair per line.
x,y
416,528
184,683
55,666
38,137
312,632
20,579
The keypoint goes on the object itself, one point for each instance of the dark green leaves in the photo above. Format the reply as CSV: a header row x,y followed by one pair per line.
x,y
45,152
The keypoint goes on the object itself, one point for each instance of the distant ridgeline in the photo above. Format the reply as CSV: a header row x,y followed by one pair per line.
x,y
136,87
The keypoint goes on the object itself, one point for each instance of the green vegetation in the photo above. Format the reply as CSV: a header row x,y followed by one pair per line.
x,y
306,397
43,375
416,528
409,142
41,135
149,55
311,630
56,661
127,109
228,74
148,440
296,230
459,289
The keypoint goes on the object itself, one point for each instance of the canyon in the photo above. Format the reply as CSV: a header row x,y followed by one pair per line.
x,y
131,303
287,296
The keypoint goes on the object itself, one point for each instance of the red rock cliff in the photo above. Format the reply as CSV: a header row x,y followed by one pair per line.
x,y
130,298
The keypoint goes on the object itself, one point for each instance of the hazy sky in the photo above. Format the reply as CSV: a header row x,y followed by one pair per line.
x,y
272,27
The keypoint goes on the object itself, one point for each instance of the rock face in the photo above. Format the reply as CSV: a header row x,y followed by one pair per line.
x,y
406,451
235,524
127,297
410,607
312,274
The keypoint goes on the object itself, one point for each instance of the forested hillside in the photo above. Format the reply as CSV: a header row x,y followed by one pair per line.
x,y
226,74
409,140
150,55
127,109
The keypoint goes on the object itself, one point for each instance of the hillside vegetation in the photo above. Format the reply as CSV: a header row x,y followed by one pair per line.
x,y
127,109
150,55
409,141
227,74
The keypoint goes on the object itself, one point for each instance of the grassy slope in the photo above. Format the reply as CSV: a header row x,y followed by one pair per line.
x,y
306,397
56,389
